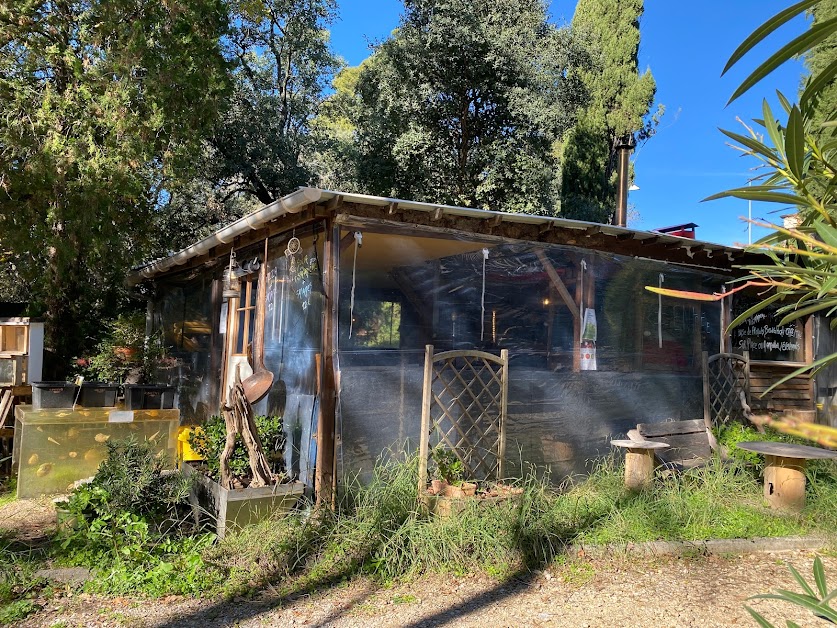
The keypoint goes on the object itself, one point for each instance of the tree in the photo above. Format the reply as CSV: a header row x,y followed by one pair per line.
x,y
281,66
461,106
99,101
617,111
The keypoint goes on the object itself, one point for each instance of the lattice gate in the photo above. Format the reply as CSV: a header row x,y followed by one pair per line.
x,y
464,410
726,388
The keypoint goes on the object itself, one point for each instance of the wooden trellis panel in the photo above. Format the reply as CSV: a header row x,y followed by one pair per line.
x,y
464,409
726,388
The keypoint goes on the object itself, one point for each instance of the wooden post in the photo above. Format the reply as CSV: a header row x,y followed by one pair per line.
x,y
326,459
707,411
784,483
425,419
577,321
504,378
639,468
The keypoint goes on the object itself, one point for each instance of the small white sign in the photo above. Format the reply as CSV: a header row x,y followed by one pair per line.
x,y
121,416
222,323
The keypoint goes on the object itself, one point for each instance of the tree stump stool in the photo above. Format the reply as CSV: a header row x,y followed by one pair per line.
x,y
784,471
639,461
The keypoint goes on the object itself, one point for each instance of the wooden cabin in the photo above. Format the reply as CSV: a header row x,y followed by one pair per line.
x,y
358,285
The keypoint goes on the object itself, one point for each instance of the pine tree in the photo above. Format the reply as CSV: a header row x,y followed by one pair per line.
x,y
619,102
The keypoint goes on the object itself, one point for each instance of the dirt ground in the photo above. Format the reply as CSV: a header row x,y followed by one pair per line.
x,y
615,590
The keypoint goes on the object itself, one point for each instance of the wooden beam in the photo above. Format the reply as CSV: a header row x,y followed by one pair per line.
x,y
419,305
325,476
334,203
346,241
559,285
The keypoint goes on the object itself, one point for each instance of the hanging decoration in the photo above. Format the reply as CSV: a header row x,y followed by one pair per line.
x,y
358,244
589,329
482,298
291,251
232,286
660,312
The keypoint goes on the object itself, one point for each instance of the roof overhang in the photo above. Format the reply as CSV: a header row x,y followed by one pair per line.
x,y
546,229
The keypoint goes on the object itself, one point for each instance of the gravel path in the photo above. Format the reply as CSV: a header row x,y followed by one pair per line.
x,y
709,591
584,592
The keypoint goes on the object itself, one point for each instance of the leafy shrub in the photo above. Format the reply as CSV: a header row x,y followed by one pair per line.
x,y
131,524
208,442
132,480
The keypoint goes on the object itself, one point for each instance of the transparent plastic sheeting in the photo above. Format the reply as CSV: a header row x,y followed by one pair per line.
x,y
184,316
195,327
413,288
535,301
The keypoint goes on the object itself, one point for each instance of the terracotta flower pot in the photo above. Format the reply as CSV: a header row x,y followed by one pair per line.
x,y
125,353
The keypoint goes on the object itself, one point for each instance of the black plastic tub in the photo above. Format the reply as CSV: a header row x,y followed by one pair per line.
x,y
98,394
149,397
53,395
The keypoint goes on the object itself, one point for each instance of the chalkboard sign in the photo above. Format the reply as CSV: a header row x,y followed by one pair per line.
x,y
763,336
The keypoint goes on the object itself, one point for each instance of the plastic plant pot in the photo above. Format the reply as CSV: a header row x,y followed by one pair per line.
x,y
149,397
98,395
53,395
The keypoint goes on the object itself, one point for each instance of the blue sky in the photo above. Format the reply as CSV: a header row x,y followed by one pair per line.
x,y
686,45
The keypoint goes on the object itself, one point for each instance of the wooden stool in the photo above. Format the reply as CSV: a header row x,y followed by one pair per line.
x,y
784,471
639,461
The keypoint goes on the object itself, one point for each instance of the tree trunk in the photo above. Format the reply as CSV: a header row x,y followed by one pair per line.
x,y
238,418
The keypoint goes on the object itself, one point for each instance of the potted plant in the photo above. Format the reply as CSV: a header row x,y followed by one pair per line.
x,y
126,357
448,475
235,502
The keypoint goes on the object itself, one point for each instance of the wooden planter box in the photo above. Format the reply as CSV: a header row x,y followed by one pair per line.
x,y
233,509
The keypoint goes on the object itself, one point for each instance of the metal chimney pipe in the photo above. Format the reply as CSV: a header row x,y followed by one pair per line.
x,y
623,155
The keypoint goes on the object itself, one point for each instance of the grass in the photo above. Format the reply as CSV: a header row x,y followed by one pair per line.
x,y
379,530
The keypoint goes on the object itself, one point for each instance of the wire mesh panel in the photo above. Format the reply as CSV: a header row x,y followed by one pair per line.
x,y
726,388
464,411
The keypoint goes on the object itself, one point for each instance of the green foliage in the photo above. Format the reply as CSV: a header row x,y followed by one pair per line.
x,y
124,350
18,585
100,102
130,524
132,485
209,439
460,105
799,170
448,466
380,529
281,61
817,600
617,109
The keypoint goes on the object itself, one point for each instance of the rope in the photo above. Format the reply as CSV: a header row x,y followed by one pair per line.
x,y
660,313
581,304
482,298
358,244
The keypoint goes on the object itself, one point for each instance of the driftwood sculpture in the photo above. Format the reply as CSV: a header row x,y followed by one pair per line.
x,y
238,417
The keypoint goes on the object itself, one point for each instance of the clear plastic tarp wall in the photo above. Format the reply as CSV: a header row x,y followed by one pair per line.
x,y
185,316
591,352
209,338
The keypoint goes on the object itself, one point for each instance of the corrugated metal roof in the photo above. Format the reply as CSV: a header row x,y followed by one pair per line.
x,y
305,196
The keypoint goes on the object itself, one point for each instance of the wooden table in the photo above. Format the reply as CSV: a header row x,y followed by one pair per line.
x,y
784,472
639,461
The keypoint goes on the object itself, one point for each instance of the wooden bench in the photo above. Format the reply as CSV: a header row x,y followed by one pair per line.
x,y
690,443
